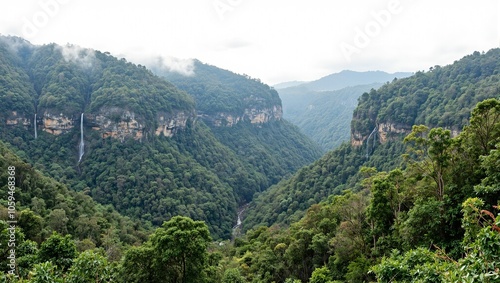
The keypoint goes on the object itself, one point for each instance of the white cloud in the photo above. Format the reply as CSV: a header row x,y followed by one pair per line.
x,y
182,66
83,57
272,40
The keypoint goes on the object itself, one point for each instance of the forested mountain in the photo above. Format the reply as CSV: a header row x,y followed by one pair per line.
x,y
441,97
324,116
378,128
431,219
133,140
429,216
230,104
44,206
402,225
322,109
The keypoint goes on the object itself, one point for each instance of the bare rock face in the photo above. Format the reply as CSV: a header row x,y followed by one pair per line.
x,y
57,124
384,131
15,119
117,123
254,115
122,124
260,116
169,124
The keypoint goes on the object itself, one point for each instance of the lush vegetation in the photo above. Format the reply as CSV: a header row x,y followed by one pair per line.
x,y
324,116
46,209
441,97
217,90
70,80
288,200
418,209
431,221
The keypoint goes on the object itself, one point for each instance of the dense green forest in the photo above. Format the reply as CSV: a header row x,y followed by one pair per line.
x,y
217,90
440,97
432,219
420,206
429,221
69,80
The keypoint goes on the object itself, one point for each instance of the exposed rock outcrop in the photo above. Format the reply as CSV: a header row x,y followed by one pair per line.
x,y
57,124
169,124
254,115
385,131
121,124
16,119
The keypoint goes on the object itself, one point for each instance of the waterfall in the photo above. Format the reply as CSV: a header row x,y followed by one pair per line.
x,y
34,123
368,142
80,149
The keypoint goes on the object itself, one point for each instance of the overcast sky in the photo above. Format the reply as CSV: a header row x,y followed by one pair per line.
x,y
274,40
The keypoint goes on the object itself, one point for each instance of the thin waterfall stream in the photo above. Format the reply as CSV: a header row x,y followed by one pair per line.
x,y
81,146
34,125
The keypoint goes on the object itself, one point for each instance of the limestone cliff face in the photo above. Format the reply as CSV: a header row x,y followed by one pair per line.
x,y
387,130
122,124
57,124
384,132
16,119
110,122
254,115
116,123
169,124
259,116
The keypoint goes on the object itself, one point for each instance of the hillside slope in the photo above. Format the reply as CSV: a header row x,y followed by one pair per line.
x,y
443,96
324,116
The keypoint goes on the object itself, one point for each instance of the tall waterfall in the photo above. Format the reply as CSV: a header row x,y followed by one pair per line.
x,y
34,124
80,149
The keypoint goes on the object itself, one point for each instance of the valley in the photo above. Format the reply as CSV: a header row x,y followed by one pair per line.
x,y
133,173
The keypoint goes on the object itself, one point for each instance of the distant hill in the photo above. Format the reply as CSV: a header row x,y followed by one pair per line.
x,y
322,109
348,78
288,84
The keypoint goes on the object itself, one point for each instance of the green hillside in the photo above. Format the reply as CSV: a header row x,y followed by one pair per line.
x,y
324,116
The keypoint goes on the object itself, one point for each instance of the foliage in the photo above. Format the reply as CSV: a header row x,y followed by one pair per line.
x,y
90,266
178,253
324,116
59,250
216,90
441,97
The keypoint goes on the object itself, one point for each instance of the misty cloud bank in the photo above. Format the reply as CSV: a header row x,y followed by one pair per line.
x,y
83,57
171,64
